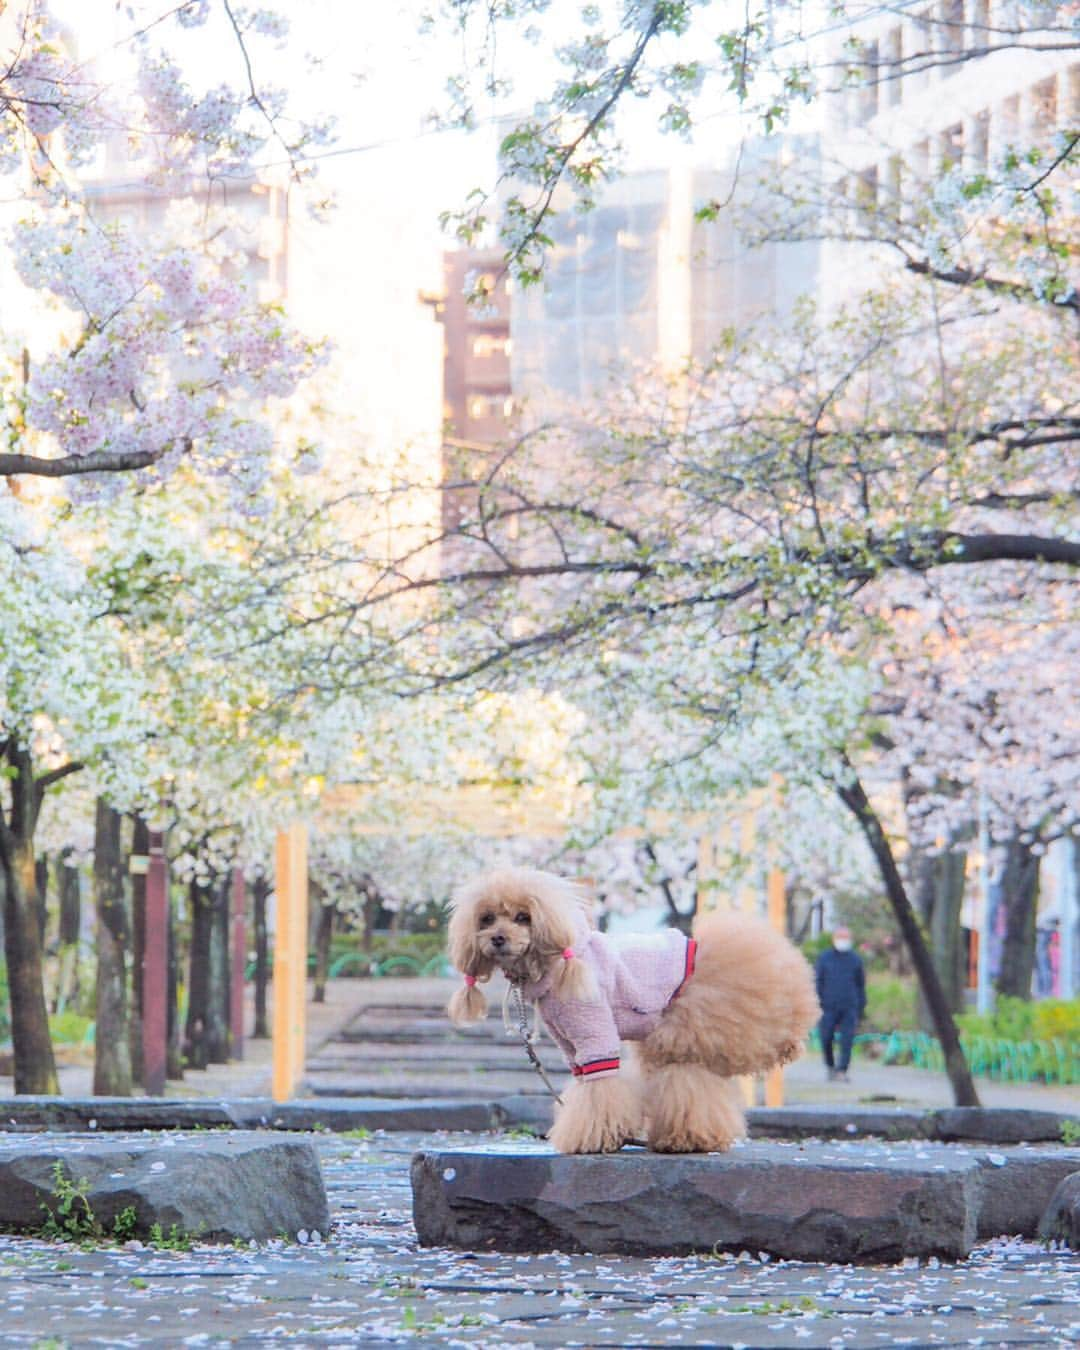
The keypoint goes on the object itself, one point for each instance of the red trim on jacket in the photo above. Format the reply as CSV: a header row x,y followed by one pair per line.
x,y
594,1066
691,959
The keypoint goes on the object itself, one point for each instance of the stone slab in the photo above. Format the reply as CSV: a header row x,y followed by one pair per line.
x,y
812,1204
1017,1184
1061,1219
114,1113
999,1124
838,1122
220,1186
958,1124
340,1114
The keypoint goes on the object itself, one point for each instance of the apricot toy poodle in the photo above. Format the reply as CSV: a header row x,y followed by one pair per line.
x,y
736,998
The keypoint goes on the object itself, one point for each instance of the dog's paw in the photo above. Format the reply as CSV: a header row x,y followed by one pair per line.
x,y
693,1111
587,1137
596,1117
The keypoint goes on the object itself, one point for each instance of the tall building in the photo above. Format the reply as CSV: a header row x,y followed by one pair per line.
x,y
925,94
478,405
477,397
641,281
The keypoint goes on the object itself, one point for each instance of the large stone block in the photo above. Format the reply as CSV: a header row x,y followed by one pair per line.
x,y
1061,1221
998,1124
1015,1186
838,1122
219,1186
816,1203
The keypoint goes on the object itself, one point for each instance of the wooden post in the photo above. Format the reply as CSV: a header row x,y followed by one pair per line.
x,y
239,962
290,960
155,970
777,909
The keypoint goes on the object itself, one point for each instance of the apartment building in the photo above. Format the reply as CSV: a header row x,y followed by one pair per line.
x,y
919,89
641,281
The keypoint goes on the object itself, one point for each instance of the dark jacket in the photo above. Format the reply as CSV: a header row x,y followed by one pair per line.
x,y
840,980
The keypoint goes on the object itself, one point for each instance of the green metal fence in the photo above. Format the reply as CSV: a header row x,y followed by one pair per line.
x,y
991,1057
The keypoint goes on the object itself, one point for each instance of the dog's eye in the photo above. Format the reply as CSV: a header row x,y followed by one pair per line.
x,y
523,916
486,920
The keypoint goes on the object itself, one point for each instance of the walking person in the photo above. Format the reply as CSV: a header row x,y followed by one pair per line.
x,y
841,991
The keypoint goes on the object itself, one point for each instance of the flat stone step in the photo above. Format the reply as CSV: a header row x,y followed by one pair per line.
x,y
217,1186
815,1202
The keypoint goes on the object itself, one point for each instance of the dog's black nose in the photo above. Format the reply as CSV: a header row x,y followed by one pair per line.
x,y
498,940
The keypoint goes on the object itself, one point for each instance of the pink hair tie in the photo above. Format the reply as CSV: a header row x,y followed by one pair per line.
x,y
568,954
470,980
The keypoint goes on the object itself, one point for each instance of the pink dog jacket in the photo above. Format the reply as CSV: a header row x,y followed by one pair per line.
x,y
637,976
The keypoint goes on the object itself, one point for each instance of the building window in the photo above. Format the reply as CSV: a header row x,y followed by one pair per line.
x,y
866,104
922,51
1044,107
951,147
894,187
980,142
866,190
490,344
951,39
892,66
481,406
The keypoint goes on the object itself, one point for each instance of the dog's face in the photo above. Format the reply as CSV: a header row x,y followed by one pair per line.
x,y
516,920
504,928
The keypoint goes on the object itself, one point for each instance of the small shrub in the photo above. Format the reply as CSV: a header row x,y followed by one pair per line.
x,y
891,1004
70,1218
69,1027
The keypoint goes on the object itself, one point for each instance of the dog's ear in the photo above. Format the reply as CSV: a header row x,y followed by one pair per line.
x,y
557,911
466,1005
463,947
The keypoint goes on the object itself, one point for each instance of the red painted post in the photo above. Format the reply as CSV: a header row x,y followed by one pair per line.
x,y
239,963
155,969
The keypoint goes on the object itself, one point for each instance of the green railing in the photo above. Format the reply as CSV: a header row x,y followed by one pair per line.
x,y
389,965
991,1057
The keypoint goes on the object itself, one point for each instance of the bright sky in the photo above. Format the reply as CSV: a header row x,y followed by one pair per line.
x,y
369,65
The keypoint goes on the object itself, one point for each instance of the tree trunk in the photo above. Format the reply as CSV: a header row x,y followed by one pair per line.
x,y
259,892
112,1046
372,905
854,797
174,1058
217,987
68,887
140,848
323,933
1018,892
41,876
34,1067
938,885
195,1052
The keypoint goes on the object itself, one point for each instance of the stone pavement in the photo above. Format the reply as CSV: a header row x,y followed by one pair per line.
x,y
367,1283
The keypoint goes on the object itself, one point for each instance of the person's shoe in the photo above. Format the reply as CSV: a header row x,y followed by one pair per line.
x,y
831,1074
841,1076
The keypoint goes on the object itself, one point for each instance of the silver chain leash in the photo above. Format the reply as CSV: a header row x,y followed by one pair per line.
x,y
528,1037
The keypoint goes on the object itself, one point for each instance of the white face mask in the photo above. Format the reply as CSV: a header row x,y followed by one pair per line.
x,y
842,944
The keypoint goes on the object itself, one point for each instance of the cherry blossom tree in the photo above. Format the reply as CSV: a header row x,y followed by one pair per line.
x,y
686,61
163,352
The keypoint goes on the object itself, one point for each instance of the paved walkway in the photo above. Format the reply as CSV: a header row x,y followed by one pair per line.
x,y
387,1037
367,1283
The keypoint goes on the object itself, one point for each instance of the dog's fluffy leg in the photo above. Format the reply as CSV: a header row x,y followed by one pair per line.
x,y
692,1110
597,1117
